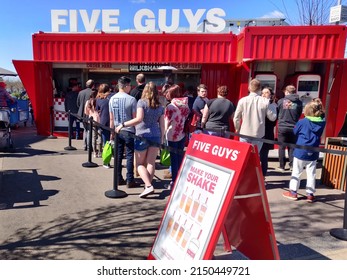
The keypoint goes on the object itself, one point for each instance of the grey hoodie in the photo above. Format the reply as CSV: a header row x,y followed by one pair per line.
x,y
289,111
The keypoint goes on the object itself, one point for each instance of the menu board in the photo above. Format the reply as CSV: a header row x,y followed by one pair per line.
x,y
193,210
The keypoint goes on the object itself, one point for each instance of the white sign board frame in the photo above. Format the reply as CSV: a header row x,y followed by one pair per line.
x,y
193,212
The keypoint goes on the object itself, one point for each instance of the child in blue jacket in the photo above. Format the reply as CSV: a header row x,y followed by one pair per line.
x,y
308,132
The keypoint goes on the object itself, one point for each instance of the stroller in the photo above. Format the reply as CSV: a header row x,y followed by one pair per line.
x,y
5,129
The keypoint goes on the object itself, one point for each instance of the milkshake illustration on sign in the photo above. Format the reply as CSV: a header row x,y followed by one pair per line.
x,y
195,206
202,211
193,247
189,203
170,222
186,237
180,232
183,198
175,227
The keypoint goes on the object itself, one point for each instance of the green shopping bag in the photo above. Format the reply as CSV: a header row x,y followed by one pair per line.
x,y
165,157
107,153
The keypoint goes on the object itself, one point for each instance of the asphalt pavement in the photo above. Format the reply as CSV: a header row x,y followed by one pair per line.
x,y
52,207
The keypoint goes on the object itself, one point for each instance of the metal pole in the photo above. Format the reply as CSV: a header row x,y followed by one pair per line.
x,y
51,123
89,163
115,193
70,148
338,3
341,233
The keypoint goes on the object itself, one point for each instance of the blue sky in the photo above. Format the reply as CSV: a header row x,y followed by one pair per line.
x,y
21,18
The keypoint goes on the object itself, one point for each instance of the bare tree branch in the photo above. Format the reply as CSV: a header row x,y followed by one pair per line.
x,y
309,12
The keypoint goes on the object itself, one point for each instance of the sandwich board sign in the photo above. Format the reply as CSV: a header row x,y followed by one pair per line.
x,y
219,189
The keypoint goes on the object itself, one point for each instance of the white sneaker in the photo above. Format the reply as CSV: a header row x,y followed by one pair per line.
x,y
147,191
280,169
107,166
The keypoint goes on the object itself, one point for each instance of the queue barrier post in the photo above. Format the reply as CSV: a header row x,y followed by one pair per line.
x,y
89,163
334,174
70,148
341,233
115,193
51,120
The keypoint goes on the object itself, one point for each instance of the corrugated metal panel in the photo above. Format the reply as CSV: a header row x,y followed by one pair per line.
x,y
85,47
293,42
37,80
214,75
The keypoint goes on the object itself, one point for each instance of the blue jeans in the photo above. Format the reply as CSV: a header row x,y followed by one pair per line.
x,y
176,159
105,134
128,143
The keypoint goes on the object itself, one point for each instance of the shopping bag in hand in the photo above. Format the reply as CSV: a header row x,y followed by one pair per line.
x,y
107,152
165,157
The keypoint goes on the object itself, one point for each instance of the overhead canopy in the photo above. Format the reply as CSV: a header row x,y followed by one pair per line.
x,y
5,72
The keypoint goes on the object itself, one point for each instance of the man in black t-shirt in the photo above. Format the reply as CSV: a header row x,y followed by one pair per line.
x,y
137,91
200,101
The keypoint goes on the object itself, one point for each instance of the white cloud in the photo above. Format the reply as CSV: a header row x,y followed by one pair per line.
x,y
274,14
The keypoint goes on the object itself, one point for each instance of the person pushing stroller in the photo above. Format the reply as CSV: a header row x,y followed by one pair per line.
x,y
5,97
5,130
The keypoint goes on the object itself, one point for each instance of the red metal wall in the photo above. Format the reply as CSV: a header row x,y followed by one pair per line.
x,y
292,42
341,93
124,48
300,43
218,54
338,101
214,75
37,80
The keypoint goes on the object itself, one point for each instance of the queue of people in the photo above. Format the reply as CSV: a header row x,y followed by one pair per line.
x,y
143,119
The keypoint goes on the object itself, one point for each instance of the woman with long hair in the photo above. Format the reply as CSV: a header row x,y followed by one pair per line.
x,y
90,110
267,93
102,100
149,125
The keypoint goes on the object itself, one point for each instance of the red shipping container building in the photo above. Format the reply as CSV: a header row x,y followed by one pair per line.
x,y
212,59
